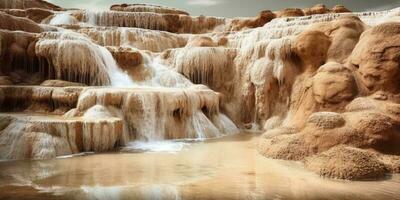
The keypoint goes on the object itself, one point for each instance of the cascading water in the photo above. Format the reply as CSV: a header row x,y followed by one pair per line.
x,y
76,58
250,47
151,117
62,18
164,76
143,78
126,19
117,77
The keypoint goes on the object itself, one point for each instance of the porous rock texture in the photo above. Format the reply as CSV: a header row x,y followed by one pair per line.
x,y
147,8
361,96
322,83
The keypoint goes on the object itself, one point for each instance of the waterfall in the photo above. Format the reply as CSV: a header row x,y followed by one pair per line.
x,y
117,77
126,19
75,58
62,18
166,105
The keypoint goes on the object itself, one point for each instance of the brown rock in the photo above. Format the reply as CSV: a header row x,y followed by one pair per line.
x,y
376,58
278,131
264,17
5,80
147,8
326,120
344,162
340,9
317,9
126,57
223,41
15,53
35,14
12,23
25,4
291,12
312,48
344,33
202,41
378,131
60,83
286,146
333,84
131,61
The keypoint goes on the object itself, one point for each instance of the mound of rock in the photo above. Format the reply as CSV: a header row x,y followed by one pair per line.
x,y
368,126
35,14
290,12
12,23
126,57
376,58
347,163
25,4
264,17
340,9
147,8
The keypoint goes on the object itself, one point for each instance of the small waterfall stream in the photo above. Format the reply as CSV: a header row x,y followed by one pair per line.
x,y
117,77
166,105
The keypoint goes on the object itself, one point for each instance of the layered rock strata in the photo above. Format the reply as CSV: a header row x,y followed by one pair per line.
x,y
322,83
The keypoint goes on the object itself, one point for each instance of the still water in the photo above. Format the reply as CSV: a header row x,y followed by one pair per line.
x,y
225,168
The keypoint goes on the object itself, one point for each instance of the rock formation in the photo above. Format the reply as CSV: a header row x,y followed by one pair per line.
x,y
322,83
350,104
148,8
26,4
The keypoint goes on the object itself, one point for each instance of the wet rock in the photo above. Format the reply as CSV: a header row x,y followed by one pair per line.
x,y
60,83
126,57
147,8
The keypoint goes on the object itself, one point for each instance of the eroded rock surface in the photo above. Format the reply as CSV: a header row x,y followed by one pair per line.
x,y
323,83
366,124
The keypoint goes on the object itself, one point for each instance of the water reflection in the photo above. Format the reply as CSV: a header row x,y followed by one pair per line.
x,y
227,168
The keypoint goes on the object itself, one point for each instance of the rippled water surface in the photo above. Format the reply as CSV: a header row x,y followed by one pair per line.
x,y
225,168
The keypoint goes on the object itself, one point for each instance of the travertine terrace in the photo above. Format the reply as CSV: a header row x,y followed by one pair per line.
x,y
322,83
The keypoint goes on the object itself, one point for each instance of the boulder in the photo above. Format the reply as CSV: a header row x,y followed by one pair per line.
x,y
376,58
317,9
290,12
312,48
344,162
326,120
333,84
340,9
